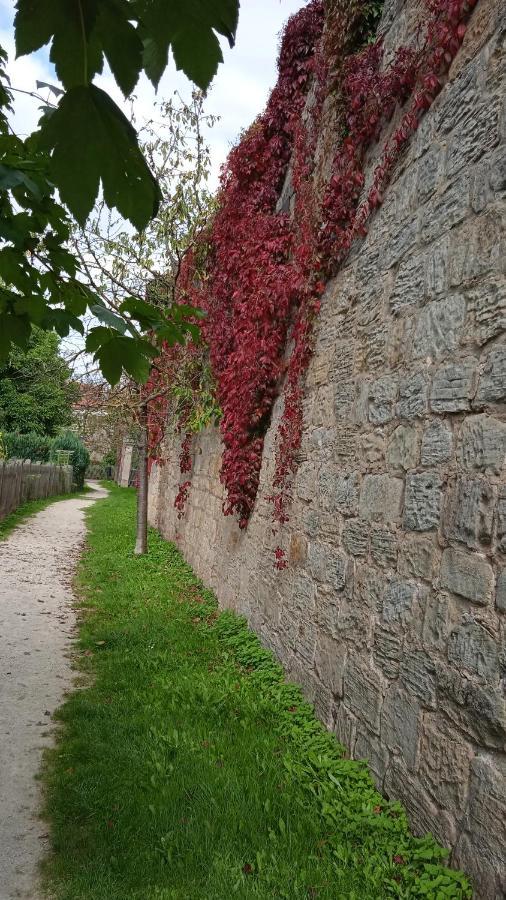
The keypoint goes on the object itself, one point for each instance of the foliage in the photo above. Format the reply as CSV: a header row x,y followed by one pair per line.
x,y
80,457
43,283
188,767
88,133
31,445
267,263
134,275
36,393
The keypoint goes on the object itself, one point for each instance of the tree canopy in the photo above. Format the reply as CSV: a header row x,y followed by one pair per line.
x,y
85,147
36,393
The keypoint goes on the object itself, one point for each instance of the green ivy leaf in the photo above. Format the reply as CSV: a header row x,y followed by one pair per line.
x,y
88,134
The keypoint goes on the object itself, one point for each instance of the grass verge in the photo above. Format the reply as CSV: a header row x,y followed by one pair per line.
x,y
190,769
30,508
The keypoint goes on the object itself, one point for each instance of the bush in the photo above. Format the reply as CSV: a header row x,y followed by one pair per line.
x,y
36,447
80,458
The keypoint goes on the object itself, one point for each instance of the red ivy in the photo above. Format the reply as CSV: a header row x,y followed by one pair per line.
x,y
266,269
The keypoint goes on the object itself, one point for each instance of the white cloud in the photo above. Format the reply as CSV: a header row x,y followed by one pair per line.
x,y
238,94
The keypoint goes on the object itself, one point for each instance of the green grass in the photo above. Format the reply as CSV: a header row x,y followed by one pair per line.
x,y
29,509
188,768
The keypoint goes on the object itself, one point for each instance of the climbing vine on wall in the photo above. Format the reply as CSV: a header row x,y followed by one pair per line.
x,y
267,262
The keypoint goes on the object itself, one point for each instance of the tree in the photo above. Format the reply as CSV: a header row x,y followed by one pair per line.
x,y
36,393
137,274
87,145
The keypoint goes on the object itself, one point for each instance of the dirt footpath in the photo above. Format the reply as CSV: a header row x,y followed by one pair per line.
x,y
37,562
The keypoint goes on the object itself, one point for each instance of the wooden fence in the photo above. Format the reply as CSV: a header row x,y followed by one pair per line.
x,y
22,480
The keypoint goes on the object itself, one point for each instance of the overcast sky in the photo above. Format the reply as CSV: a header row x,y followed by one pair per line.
x,y
238,93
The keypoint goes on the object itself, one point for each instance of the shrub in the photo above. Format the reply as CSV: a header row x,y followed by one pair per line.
x,y
36,447
80,458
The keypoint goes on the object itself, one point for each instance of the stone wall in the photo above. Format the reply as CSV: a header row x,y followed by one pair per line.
x,y
392,612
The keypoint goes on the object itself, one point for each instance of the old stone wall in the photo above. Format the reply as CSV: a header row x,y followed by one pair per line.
x,y
392,612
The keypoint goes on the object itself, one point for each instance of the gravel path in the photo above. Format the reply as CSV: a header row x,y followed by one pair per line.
x,y
37,562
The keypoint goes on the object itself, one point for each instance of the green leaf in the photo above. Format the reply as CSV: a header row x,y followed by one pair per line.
x,y
63,322
75,49
198,54
188,26
109,318
109,358
88,134
121,43
145,314
98,336
33,307
13,330
12,177
35,22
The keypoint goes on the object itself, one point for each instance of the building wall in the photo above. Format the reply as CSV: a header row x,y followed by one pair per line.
x,y
392,612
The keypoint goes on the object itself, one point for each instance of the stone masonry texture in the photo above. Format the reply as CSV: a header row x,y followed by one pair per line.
x,y
391,614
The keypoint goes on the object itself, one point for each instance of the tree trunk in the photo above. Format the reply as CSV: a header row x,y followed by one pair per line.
x,y
141,544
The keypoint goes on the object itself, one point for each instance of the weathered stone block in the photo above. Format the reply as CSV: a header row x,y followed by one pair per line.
x,y
437,444
403,448
422,508
483,444
339,493
409,287
370,588
373,448
399,724
445,211
497,171
381,498
387,650
500,599
444,763
398,601
478,710
435,623
436,272
428,173
356,537
402,237
345,728
416,559
384,548
418,674
382,397
304,592
487,302
328,566
453,387
468,575
487,799
363,693
413,397
501,520
476,132
400,784
492,383
330,660
470,512
439,327
370,748
471,647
